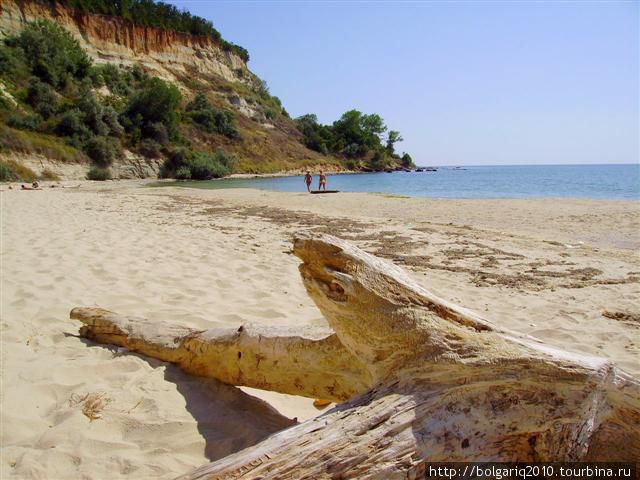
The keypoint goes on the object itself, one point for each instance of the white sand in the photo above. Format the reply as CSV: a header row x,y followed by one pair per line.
x,y
202,258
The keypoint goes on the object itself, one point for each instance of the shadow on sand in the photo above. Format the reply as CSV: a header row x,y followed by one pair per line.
x,y
228,419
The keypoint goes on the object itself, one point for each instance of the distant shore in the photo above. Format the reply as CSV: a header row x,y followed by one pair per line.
x,y
294,173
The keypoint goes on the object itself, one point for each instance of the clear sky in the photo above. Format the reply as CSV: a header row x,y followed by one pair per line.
x,y
466,83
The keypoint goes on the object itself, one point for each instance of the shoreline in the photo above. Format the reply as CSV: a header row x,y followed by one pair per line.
x,y
481,212
397,189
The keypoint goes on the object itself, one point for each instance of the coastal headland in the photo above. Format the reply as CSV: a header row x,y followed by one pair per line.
x,y
562,270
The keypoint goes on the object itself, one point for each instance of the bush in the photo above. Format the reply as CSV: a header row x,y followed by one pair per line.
x,y
96,78
110,119
199,102
352,164
201,166
204,115
154,14
156,102
102,150
42,98
178,157
150,148
157,132
117,79
71,124
354,150
24,122
12,64
6,174
183,173
92,113
99,173
52,53
205,167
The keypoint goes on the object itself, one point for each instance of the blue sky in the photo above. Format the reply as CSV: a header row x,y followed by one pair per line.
x,y
466,83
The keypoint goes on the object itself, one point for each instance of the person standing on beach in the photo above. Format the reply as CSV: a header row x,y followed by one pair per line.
x,y
322,184
308,179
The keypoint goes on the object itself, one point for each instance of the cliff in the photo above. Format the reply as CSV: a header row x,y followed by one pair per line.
x,y
269,139
110,39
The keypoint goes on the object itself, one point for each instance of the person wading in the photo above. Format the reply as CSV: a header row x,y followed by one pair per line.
x,y
322,184
308,179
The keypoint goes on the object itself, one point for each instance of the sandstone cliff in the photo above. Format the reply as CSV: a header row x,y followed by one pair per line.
x,y
111,39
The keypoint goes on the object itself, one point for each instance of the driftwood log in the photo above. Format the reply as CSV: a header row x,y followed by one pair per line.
x,y
427,381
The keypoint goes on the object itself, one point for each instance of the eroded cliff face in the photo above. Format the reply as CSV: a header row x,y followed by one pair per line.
x,y
109,39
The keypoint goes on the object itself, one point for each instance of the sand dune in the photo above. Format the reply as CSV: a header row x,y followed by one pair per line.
x,y
200,258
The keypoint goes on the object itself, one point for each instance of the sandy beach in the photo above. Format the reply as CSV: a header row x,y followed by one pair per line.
x,y
565,271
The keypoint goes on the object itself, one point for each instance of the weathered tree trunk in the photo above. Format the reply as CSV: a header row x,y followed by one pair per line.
x,y
449,386
311,364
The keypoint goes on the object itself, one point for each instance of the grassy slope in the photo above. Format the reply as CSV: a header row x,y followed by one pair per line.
x,y
263,149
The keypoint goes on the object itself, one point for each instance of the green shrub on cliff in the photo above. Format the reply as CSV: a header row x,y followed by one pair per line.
x,y
71,125
42,98
156,101
58,86
150,148
119,80
24,122
102,150
12,64
52,53
206,117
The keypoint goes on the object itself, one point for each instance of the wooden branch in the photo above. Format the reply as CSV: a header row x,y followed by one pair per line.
x,y
307,364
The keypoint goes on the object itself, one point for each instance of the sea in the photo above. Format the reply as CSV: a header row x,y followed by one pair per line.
x,y
620,182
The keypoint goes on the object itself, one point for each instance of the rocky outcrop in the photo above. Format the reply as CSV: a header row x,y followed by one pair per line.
x,y
132,165
111,39
447,385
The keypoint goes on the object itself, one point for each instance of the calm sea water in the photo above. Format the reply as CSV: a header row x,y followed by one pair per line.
x,y
579,181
